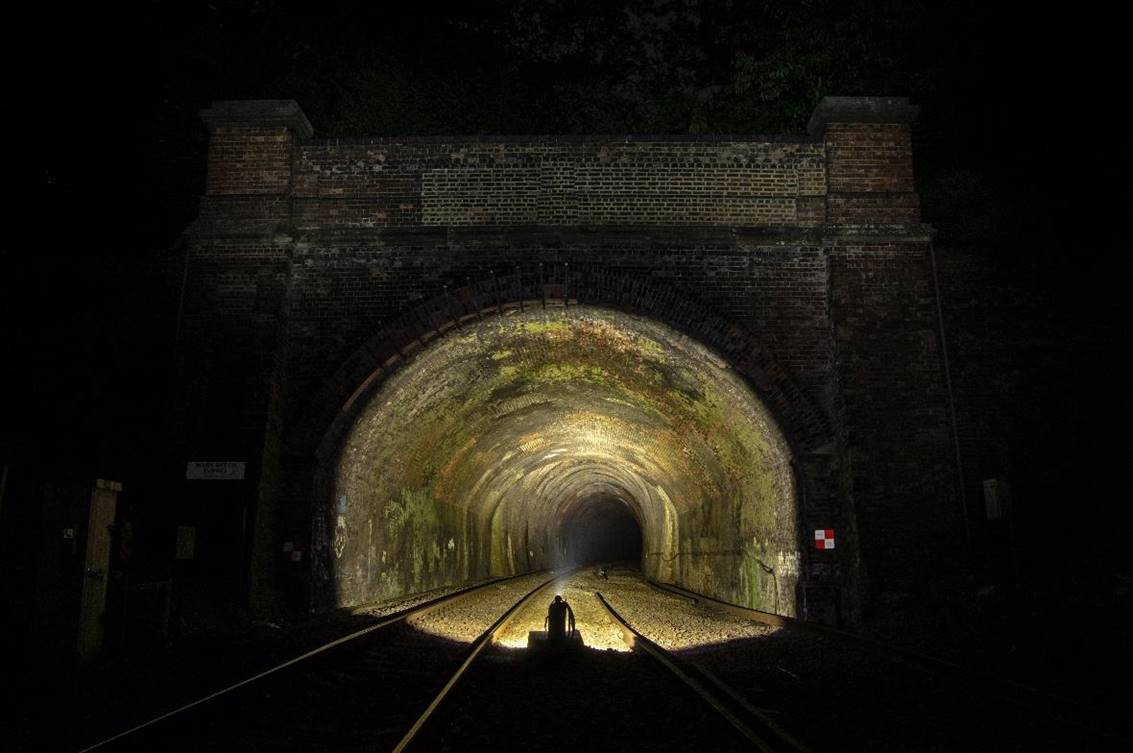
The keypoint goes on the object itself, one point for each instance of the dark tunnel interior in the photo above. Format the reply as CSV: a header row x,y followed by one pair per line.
x,y
600,529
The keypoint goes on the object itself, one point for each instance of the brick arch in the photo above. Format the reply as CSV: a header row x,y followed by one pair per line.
x,y
806,426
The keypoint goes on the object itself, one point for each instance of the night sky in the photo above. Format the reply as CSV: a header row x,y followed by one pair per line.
x,y
1021,151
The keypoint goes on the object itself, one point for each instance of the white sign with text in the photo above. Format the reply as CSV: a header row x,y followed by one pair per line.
x,y
214,471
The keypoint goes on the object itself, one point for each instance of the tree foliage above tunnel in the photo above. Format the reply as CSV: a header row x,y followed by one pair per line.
x,y
666,66
565,66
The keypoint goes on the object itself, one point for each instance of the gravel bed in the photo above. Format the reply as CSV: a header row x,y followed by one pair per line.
x,y
393,606
600,697
832,694
596,627
578,700
362,696
466,619
671,621
128,690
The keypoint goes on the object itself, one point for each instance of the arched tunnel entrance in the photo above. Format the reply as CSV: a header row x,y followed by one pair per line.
x,y
546,437
601,528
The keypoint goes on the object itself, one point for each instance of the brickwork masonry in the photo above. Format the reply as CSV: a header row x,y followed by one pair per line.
x,y
810,246
406,182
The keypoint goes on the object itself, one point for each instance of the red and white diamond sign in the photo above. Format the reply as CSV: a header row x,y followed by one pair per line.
x,y
824,538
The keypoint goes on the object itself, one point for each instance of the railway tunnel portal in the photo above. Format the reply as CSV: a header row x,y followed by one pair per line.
x,y
541,437
445,358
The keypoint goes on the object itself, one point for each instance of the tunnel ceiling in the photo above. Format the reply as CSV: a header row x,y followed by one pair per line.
x,y
465,462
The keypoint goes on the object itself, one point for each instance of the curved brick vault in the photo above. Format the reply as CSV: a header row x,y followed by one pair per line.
x,y
556,285
470,459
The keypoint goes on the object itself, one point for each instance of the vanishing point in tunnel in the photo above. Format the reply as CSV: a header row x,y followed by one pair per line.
x,y
444,359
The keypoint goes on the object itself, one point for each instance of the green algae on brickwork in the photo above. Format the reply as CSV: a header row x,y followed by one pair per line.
x,y
575,373
649,347
554,327
489,434
413,530
758,585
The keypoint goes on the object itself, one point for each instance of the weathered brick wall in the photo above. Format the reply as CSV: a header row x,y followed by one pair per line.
x,y
558,182
869,160
230,333
891,384
249,161
869,157
341,294
249,180
810,246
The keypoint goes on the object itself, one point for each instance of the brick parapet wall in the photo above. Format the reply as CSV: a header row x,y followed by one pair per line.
x,y
869,157
551,183
854,173
870,174
244,161
248,183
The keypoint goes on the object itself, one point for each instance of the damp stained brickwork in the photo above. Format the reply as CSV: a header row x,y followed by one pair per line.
x,y
395,182
800,261
464,463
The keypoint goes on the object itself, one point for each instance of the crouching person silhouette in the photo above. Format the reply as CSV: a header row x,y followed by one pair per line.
x,y
556,622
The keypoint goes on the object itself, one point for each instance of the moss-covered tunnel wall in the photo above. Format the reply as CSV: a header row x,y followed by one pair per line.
x,y
470,459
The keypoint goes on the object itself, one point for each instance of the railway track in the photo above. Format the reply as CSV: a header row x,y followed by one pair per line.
x,y
446,676
358,692
962,698
753,723
676,711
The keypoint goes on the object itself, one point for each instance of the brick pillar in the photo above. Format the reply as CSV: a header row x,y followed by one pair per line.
x,y
890,375
869,159
249,162
236,280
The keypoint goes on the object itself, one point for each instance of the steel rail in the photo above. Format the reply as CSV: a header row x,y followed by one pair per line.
x,y
482,642
423,608
1025,697
777,739
778,620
